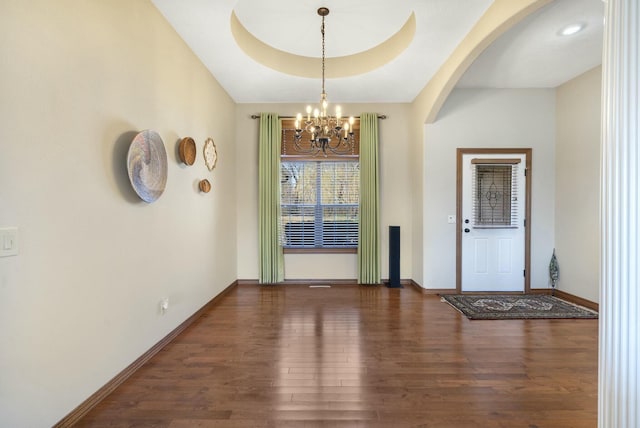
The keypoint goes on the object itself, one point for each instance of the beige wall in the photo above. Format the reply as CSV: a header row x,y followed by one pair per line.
x,y
395,194
487,119
578,184
81,300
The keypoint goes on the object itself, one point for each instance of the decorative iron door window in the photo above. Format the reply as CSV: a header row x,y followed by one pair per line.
x,y
495,200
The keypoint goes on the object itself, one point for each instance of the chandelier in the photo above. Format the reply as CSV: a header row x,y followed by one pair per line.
x,y
326,133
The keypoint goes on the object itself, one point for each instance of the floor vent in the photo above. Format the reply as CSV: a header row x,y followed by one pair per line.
x,y
319,286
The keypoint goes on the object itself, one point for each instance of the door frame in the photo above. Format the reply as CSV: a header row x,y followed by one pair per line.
x,y
527,209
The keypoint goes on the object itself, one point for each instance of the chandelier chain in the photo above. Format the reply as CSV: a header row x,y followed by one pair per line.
x,y
322,32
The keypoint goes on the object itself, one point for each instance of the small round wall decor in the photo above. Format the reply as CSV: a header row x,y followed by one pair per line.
x,y
205,186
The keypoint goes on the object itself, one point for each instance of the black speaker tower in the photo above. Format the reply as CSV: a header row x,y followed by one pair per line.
x,y
394,257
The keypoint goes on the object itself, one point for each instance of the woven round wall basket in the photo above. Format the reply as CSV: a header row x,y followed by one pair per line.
x,y
204,185
187,150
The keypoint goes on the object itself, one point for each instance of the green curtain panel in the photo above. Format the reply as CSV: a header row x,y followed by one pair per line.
x,y
369,242
270,248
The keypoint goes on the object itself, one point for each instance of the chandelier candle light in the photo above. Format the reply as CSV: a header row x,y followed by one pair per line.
x,y
327,133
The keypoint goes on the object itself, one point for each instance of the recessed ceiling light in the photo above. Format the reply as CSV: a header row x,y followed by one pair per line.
x,y
572,29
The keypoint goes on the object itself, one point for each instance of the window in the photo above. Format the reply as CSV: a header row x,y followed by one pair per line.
x,y
320,203
495,199
320,199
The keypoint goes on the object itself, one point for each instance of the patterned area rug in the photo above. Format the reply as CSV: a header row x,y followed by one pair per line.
x,y
508,307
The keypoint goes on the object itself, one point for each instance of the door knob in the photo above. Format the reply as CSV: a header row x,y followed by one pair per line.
x,y
467,230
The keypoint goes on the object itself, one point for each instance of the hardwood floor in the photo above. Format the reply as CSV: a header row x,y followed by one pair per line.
x,y
349,356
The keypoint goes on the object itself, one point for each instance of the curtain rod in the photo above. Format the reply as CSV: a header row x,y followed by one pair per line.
x,y
257,116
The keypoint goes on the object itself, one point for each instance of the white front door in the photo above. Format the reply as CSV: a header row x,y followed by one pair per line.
x,y
493,232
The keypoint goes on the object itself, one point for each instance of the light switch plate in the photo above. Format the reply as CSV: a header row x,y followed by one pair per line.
x,y
451,219
8,241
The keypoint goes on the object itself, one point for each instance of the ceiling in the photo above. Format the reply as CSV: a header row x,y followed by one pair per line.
x,y
378,53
